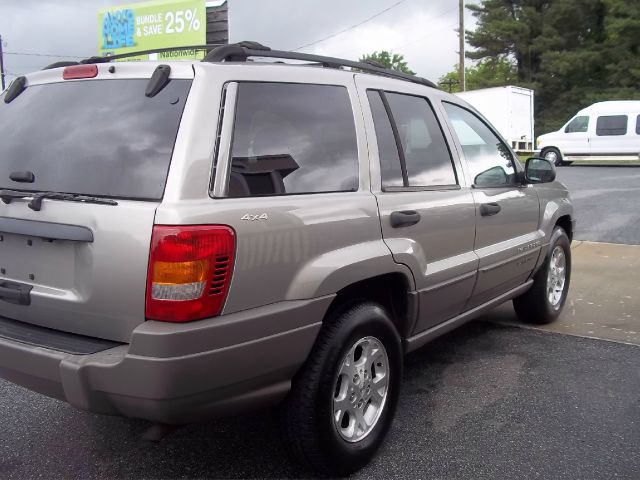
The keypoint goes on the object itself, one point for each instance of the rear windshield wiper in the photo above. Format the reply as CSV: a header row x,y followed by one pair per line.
x,y
36,202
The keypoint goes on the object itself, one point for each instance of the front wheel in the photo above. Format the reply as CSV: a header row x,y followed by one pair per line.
x,y
543,302
343,399
554,156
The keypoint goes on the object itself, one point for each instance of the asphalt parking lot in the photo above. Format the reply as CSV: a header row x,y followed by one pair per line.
x,y
486,401
606,200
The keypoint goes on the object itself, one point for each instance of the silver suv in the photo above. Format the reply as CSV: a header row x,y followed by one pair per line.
x,y
192,240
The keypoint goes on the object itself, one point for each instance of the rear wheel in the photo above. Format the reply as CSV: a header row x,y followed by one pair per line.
x,y
543,302
554,156
343,399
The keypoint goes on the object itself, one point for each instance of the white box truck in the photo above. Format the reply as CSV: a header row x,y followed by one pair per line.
x,y
509,109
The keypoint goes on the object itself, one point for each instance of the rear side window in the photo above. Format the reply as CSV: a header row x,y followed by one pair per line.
x,y
578,124
414,142
611,125
97,137
292,139
638,124
426,154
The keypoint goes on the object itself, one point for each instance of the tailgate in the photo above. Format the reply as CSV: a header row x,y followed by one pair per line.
x,y
72,266
90,287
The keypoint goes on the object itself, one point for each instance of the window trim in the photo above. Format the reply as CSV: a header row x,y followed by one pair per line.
x,y
218,185
403,165
518,171
396,137
224,141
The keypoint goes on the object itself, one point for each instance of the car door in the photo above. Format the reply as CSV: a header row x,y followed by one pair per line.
x,y
613,135
575,136
508,238
426,210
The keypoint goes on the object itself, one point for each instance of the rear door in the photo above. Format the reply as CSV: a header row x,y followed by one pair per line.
x,y
507,239
614,135
426,210
82,267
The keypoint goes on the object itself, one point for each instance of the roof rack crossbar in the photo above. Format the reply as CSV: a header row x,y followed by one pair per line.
x,y
240,53
109,58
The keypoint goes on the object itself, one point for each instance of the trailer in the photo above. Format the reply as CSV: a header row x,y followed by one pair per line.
x,y
510,111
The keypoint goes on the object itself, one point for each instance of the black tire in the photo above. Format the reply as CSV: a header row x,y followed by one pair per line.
x,y
554,156
534,306
308,414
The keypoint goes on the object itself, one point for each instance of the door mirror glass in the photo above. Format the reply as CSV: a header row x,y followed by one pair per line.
x,y
539,170
491,177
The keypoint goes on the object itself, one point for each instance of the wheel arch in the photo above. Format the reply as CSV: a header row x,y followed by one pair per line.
x,y
391,290
566,223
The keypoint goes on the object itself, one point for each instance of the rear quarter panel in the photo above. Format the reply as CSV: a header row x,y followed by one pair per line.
x,y
306,245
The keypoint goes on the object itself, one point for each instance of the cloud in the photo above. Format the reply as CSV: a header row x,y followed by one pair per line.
x,y
422,31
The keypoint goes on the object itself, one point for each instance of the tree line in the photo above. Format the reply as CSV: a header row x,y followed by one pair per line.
x,y
572,53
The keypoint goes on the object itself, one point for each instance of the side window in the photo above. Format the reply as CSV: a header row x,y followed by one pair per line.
x,y
489,160
578,124
638,124
291,139
426,155
390,169
609,125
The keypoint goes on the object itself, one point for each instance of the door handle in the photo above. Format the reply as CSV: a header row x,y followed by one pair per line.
x,y
488,209
404,218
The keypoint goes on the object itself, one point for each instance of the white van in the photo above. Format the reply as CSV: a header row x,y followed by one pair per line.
x,y
605,131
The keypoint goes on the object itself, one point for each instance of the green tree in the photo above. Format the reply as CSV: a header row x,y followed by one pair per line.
x,y
393,61
485,74
571,52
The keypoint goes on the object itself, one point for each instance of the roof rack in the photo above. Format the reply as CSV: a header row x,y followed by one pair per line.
x,y
240,52
110,58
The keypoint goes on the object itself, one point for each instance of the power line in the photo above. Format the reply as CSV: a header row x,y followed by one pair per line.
x,y
431,31
415,39
349,28
30,54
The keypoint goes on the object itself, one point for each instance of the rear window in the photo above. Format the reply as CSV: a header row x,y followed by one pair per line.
x,y
611,125
100,137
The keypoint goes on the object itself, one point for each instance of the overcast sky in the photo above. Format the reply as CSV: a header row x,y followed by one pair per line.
x,y
422,30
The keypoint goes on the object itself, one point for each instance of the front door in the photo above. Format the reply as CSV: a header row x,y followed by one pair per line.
x,y
508,239
575,139
427,212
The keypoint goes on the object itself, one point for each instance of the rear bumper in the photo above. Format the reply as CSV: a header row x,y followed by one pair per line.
x,y
178,373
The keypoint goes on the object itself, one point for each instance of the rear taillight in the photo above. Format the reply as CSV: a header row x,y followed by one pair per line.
x,y
190,269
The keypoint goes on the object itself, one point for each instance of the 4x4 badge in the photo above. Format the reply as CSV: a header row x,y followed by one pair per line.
x,y
258,216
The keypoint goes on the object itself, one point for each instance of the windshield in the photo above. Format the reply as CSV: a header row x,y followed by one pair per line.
x,y
100,137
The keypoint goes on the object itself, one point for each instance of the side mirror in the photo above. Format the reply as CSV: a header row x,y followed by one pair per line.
x,y
539,170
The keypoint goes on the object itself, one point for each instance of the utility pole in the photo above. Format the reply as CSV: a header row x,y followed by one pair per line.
x,y
1,67
463,83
